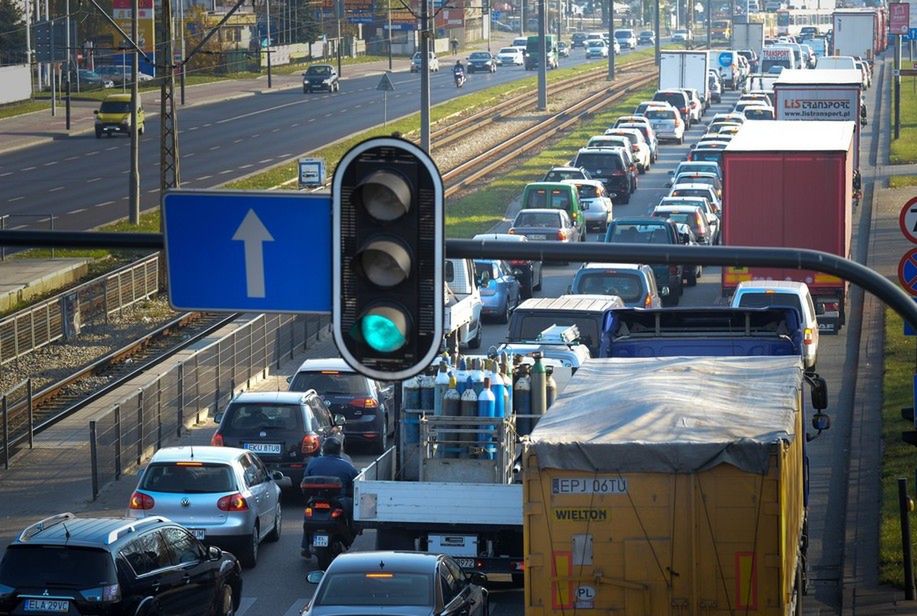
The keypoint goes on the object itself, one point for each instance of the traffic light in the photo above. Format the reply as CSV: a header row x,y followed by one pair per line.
x,y
388,252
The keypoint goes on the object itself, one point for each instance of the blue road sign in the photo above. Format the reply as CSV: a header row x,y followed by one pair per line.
x,y
912,34
725,58
248,252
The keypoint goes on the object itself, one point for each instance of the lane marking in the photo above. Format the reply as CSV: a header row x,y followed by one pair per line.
x,y
71,158
93,180
260,111
245,603
91,153
56,189
203,177
155,190
15,199
266,160
224,172
188,155
246,166
49,164
296,608
77,211
114,147
28,168
3,175
103,204
214,147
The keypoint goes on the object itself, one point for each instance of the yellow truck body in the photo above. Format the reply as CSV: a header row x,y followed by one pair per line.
x,y
667,486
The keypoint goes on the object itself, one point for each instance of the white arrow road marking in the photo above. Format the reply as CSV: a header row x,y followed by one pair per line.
x,y
252,233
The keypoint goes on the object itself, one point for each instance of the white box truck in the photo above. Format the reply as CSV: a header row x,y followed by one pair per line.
x,y
748,36
854,33
685,69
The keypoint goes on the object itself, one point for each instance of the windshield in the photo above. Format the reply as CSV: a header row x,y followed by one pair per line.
x,y
179,479
509,50
600,162
61,566
660,114
376,589
568,174
759,114
537,219
711,155
246,417
479,55
643,233
631,137
319,70
330,382
676,99
115,107
684,218
691,192
626,286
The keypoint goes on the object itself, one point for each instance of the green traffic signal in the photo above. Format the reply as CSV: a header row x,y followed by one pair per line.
x,y
384,329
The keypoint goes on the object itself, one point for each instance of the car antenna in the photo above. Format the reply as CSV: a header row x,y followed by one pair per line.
x,y
66,531
191,447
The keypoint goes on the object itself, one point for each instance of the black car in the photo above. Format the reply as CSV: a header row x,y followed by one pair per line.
x,y
284,428
609,166
66,564
653,231
366,404
647,37
482,62
405,583
320,77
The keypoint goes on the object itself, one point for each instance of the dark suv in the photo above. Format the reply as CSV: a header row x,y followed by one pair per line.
x,y
653,231
285,429
367,405
65,564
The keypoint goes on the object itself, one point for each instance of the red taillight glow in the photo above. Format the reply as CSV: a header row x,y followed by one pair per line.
x,y
141,501
561,235
308,512
337,513
698,220
618,173
807,336
519,566
310,444
216,440
232,502
364,403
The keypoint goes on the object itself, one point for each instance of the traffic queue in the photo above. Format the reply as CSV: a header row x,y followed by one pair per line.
x,y
504,467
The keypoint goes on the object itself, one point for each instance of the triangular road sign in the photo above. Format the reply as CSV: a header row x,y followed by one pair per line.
x,y
385,84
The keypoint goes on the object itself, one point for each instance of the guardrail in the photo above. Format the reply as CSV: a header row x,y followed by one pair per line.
x,y
39,325
131,430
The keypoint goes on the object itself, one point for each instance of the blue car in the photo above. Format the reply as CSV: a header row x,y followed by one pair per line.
x,y
500,289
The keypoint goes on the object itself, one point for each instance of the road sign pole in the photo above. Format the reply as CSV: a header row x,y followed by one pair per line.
x,y
898,44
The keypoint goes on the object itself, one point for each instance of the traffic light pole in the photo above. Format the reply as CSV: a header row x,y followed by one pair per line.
x,y
69,53
657,28
133,212
611,40
542,58
710,20
897,86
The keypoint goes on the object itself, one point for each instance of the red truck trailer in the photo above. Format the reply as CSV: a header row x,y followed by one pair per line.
x,y
789,184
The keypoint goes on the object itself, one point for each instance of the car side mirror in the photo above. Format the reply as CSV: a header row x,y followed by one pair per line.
x,y
477,578
214,553
218,417
664,292
819,394
289,379
821,421
339,420
314,577
277,476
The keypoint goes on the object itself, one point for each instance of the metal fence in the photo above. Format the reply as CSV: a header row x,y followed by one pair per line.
x,y
41,324
153,416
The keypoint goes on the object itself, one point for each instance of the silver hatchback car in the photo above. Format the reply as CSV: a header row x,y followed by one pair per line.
x,y
223,495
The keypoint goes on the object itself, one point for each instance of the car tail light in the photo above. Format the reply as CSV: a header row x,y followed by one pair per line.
x,y
322,505
216,440
232,502
141,501
310,444
515,262
831,306
370,435
308,512
561,235
519,565
647,301
337,513
364,403
698,220
807,336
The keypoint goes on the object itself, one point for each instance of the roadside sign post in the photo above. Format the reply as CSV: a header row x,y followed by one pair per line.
x,y
899,18
386,85
311,172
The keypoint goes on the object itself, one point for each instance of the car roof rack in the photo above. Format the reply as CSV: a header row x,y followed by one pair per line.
x,y
46,523
559,334
130,527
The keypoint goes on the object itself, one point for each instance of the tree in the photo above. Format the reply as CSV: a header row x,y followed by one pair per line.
x,y
12,33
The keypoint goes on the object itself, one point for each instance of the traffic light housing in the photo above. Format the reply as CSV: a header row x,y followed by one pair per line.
x,y
387,197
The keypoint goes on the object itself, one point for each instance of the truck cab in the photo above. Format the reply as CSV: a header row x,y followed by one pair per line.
x,y
463,304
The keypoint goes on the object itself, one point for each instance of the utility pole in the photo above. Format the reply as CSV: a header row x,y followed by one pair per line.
x,y
340,37
897,87
710,21
67,64
542,59
389,6
267,6
181,20
611,40
133,212
656,27
169,169
522,17
424,76
28,35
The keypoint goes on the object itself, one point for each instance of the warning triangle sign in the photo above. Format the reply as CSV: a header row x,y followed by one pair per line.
x,y
385,84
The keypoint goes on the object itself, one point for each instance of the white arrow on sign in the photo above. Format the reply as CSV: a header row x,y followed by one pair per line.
x,y
252,233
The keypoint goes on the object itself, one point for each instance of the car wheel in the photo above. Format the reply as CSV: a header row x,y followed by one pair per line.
x,y
274,535
249,553
98,134
226,602
691,278
504,315
382,444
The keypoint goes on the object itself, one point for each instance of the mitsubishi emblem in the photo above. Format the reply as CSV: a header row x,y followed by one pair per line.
x,y
263,434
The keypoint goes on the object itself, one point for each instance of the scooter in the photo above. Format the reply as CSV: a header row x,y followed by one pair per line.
x,y
327,528
459,79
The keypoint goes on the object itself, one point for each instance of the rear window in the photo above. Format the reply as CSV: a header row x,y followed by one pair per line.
x,y
587,191
768,300
246,417
759,114
599,162
691,192
632,138
535,323
629,287
711,155
509,50
537,219
375,589
676,99
684,218
329,382
660,114
183,478
639,234
56,566
558,176
554,198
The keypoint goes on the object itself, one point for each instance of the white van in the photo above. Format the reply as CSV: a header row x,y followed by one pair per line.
x,y
463,303
777,55
727,63
836,62
783,293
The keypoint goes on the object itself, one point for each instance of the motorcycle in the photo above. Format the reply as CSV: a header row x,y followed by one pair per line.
x,y
459,79
327,528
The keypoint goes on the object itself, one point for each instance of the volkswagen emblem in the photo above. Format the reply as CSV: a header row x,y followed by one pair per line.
x,y
262,434
185,502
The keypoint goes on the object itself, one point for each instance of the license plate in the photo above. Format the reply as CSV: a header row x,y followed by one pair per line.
x,y
465,563
47,605
263,447
199,533
538,236
320,541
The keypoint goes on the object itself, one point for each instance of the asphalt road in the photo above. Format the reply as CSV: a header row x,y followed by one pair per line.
x,y
83,181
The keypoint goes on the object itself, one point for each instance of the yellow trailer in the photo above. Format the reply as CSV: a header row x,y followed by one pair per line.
x,y
668,486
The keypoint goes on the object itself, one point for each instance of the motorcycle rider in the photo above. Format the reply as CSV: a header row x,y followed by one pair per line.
x,y
458,71
331,463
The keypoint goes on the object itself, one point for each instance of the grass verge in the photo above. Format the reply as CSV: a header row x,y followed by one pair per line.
x,y
902,181
287,172
897,456
904,149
